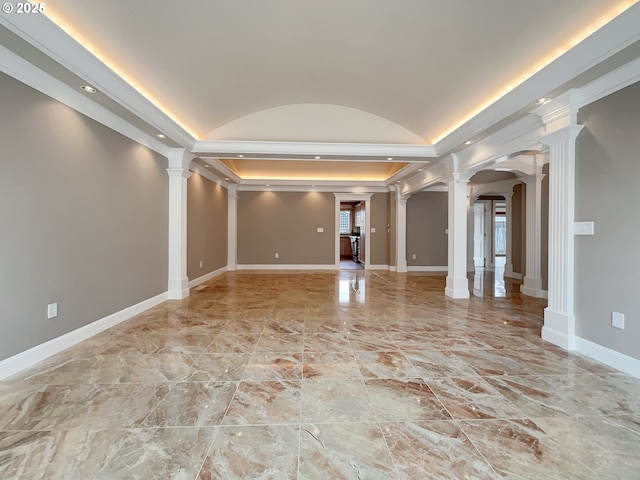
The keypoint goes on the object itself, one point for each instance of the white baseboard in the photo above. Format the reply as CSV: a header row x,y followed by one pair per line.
x,y
517,276
556,337
269,266
614,359
28,358
418,268
378,267
207,277
392,268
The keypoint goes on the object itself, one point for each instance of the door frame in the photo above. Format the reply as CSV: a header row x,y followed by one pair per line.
x,y
353,197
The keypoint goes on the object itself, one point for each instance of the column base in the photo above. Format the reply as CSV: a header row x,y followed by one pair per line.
x,y
401,267
178,289
558,329
457,287
532,287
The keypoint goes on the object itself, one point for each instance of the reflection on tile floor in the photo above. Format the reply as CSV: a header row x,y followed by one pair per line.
x,y
339,375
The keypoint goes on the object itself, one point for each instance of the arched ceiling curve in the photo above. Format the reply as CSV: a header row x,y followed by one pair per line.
x,y
422,64
314,123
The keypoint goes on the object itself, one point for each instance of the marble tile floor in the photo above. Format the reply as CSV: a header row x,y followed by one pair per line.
x,y
329,375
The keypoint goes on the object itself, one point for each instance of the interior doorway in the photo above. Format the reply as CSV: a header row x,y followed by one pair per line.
x,y
352,218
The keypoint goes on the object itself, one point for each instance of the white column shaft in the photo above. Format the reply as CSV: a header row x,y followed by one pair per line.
x,y
232,228
559,320
533,281
178,283
457,283
401,232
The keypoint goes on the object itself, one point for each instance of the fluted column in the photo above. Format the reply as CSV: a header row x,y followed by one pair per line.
x,y
178,283
532,284
232,228
559,319
457,283
401,232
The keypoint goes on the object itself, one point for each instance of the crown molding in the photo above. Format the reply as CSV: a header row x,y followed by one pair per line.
x,y
325,187
27,73
49,38
611,82
344,151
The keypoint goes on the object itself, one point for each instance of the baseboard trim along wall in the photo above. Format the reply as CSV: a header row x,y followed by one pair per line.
x,y
28,358
378,267
617,360
418,268
268,266
205,278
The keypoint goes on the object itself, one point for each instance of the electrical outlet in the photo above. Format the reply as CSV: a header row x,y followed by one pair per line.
x,y
200,263
320,229
52,310
277,255
413,257
617,320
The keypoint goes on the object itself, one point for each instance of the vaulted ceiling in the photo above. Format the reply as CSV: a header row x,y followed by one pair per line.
x,y
420,75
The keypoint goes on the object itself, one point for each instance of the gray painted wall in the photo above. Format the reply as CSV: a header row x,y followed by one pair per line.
x,y
286,222
607,264
427,214
379,215
84,215
206,226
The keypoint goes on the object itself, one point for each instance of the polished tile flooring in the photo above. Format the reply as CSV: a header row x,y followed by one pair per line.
x,y
328,375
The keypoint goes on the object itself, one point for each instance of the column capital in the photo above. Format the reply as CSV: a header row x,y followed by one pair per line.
x,y
565,134
180,159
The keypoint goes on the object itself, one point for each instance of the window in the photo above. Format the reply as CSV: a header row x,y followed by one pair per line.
x,y
345,221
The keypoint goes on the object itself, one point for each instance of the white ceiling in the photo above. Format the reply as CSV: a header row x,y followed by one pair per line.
x,y
422,64
406,72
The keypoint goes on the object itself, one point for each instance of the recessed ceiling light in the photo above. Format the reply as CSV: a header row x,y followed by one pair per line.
x,y
241,156
397,181
317,157
206,165
266,184
88,88
160,135
468,142
542,101
420,169
389,158
227,178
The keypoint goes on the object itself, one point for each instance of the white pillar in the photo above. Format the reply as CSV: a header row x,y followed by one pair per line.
x,y
532,284
559,319
457,283
232,228
401,232
508,268
178,283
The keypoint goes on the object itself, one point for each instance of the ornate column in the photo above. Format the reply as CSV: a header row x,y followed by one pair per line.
x,y
401,232
532,284
561,130
457,283
232,228
178,283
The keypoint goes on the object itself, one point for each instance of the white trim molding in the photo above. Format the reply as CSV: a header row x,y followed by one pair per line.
x,y
208,276
617,360
293,266
28,358
354,151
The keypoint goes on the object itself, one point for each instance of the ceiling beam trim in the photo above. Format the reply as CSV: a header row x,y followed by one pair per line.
x,y
400,152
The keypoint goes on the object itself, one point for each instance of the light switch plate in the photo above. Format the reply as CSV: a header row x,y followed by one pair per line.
x,y
583,228
373,229
52,310
320,230
617,320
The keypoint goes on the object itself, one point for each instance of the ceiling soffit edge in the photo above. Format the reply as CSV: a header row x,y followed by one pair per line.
x,y
610,39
